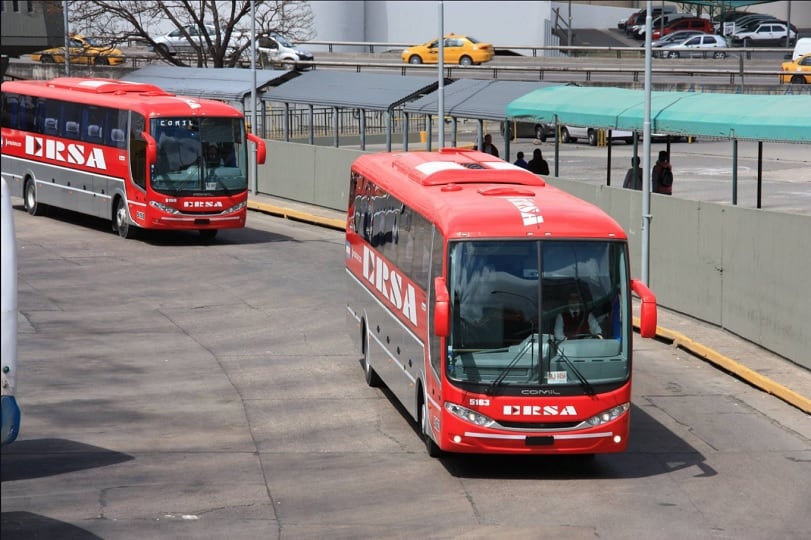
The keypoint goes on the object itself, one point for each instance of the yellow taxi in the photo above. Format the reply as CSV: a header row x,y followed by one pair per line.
x,y
797,71
82,50
462,50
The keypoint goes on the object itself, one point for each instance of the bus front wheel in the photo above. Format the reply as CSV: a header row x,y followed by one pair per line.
x,y
31,205
433,449
121,220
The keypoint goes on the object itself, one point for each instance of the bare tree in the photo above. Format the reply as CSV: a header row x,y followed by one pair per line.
x,y
115,21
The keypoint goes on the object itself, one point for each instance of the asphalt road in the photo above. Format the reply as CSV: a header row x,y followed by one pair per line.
x,y
172,389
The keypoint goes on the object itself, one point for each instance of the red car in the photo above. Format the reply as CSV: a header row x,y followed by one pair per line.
x,y
684,23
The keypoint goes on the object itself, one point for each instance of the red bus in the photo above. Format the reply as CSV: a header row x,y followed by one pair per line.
x,y
495,307
128,152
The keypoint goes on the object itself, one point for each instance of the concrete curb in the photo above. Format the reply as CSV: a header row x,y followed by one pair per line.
x,y
728,364
676,338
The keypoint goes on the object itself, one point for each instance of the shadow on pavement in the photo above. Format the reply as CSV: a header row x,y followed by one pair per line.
x,y
28,526
38,458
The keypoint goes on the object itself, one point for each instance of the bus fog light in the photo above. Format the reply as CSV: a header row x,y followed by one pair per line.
x,y
457,439
617,439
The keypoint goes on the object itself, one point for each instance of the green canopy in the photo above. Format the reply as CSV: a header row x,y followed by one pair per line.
x,y
736,116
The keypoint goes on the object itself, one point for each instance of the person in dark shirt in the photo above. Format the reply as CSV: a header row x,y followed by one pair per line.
x,y
538,164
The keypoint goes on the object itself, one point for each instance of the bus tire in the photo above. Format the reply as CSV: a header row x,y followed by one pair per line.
x,y
30,199
121,220
371,376
431,447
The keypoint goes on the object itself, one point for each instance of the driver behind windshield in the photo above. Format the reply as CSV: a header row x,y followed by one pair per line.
x,y
575,322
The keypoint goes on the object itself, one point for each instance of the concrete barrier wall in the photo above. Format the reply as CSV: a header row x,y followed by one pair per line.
x,y
738,268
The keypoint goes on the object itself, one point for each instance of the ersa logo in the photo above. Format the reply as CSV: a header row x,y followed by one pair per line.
x,y
537,410
73,153
390,284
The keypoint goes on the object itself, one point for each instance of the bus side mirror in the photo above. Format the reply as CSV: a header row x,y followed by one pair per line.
x,y
151,149
647,311
441,308
261,149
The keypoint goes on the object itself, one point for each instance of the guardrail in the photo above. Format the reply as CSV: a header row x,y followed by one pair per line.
x,y
533,50
738,76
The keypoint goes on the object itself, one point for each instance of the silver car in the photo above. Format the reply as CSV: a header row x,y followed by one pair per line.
x,y
699,46
176,40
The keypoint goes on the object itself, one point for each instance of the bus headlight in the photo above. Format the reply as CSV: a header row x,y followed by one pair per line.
x,y
609,415
470,416
164,208
236,208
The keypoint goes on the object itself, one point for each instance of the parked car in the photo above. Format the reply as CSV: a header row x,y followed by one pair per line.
x,y
638,18
530,130
742,24
462,50
696,47
177,39
797,71
81,50
675,37
638,31
570,134
685,23
276,49
766,33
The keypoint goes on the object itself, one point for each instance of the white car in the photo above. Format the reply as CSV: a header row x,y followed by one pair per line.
x,y
765,33
696,47
570,134
176,40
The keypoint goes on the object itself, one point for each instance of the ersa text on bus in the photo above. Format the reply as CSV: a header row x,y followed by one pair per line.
x,y
390,284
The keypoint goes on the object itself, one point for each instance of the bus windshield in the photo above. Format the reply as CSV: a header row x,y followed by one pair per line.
x,y
532,313
199,156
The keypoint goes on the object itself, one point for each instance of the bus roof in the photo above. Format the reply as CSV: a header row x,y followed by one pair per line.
x,y
147,99
470,194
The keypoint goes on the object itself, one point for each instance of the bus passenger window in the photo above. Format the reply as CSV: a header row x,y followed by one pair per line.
x,y
72,130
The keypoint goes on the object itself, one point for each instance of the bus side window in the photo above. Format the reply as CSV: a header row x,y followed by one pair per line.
x,y
28,115
51,126
72,113
11,104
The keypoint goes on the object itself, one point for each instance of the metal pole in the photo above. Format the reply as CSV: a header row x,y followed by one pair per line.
x,y
67,37
646,215
254,164
734,172
441,79
759,172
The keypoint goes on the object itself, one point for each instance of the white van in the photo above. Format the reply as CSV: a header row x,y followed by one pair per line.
x,y
803,46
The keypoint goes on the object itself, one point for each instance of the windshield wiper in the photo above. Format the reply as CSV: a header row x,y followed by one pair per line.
x,y
583,380
503,373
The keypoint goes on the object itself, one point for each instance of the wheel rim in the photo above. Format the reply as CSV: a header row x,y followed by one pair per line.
x,y
121,223
465,61
415,60
564,135
30,197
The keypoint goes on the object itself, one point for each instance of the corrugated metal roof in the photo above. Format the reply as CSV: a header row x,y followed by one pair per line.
x,y
479,99
739,116
231,84
370,91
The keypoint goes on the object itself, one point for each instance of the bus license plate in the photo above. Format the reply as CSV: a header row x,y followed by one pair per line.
x,y
540,441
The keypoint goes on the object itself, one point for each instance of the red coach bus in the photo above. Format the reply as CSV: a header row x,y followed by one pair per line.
x,y
495,307
128,152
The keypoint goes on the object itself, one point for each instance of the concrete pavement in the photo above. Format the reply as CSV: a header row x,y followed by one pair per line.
x,y
747,361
